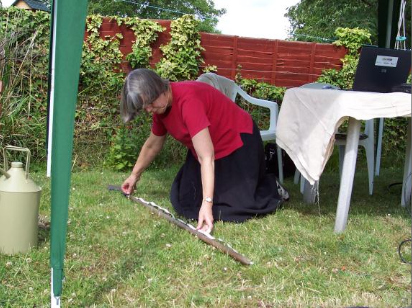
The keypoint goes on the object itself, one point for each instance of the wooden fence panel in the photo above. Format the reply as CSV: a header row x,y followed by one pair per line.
x,y
281,63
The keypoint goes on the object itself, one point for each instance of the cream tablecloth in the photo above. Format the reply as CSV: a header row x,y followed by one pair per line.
x,y
309,118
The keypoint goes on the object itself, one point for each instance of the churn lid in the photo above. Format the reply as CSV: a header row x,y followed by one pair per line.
x,y
18,180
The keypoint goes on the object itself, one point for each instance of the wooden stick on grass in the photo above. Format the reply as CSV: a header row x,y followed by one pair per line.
x,y
205,237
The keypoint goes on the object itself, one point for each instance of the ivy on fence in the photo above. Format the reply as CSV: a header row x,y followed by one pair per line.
x,y
146,32
181,57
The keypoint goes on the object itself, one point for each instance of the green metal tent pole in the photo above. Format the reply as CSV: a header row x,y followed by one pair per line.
x,y
50,87
69,18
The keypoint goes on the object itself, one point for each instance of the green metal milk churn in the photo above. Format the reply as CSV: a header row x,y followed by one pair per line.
x,y
19,206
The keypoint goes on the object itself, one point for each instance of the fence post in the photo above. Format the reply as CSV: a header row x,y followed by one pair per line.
x,y
274,63
234,58
312,61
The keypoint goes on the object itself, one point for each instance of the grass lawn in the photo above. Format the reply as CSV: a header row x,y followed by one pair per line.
x,y
120,255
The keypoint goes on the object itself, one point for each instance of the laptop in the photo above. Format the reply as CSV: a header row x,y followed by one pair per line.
x,y
382,69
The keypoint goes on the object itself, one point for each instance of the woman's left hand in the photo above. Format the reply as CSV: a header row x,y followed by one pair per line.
x,y
202,142
205,222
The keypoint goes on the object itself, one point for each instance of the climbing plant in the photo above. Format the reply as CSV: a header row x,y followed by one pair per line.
x,y
146,32
182,56
100,71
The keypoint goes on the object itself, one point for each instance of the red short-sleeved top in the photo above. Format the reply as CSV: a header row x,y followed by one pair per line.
x,y
197,105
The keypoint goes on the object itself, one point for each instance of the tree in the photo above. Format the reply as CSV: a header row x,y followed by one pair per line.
x,y
317,20
204,10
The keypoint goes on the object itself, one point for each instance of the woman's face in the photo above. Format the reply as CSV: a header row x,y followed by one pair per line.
x,y
160,105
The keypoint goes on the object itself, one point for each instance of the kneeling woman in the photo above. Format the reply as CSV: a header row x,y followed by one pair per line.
x,y
223,177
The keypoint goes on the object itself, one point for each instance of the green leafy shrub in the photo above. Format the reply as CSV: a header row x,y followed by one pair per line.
x,y
24,48
209,69
352,40
124,148
128,139
394,137
260,90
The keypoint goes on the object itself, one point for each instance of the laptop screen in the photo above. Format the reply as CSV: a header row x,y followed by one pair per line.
x,y
381,69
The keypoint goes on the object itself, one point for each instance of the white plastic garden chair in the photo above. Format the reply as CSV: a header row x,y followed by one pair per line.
x,y
232,90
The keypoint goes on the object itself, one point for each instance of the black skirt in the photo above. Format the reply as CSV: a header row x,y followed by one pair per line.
x,y
242,187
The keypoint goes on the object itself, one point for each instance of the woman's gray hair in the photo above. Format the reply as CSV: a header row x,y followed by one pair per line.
x,y
141,88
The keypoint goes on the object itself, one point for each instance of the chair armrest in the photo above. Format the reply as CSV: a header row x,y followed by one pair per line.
x,y
273,107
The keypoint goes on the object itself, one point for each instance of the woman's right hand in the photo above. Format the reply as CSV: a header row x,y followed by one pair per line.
x,y
129,185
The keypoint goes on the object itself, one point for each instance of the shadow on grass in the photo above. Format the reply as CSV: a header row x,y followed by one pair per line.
x,y
385,200
43,235
128,264
125,269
